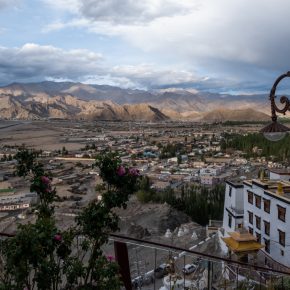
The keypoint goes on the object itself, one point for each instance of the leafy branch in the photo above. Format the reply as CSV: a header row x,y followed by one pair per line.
x,y
42,256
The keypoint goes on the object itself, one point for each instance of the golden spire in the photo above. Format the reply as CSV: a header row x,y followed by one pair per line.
x,y
280,190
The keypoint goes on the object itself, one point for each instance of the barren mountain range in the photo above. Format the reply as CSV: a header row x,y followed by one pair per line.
x,y
101,102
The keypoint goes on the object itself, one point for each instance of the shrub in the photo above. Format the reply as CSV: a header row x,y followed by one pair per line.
x,y
144,196
42,256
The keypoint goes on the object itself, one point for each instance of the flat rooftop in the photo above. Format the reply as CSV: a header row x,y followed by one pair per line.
x,y
280,171
271,187
235,182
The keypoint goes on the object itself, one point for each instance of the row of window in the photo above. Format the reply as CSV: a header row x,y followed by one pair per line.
x,y
258,236
258,223
267,205
258,201
267,241
266,229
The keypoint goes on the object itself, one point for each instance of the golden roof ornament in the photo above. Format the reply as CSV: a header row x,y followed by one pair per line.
x,y
280,190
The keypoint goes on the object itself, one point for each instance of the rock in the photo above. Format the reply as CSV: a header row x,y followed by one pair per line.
x,y
138,232
172,219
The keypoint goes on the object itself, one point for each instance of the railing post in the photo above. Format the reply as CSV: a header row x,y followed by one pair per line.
x,y
184,272
237,277
121,254
209,265
155,258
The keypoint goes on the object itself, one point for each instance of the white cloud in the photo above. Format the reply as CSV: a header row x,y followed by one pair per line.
x,y
71,6
124,11
147,75
73,23
111,80
233,39
7,3
218,32
132,11
36,62
150,76
33,62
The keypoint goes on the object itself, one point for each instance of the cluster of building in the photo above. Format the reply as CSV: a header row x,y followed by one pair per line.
x,y
262,208
197,159
259,206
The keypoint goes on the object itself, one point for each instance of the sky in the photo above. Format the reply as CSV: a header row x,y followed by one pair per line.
x,y
233,46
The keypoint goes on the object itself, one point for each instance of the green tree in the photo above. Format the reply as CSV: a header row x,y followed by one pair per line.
x,y
64,151
144,196
42,256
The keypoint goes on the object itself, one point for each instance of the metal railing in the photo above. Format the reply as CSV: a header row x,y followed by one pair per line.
x,y
153,266
147,259
236,211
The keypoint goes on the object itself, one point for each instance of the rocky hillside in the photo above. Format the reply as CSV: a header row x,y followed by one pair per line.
x,y
219,115
82,101
69,107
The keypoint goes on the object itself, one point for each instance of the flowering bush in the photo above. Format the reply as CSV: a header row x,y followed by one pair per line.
x,y
121,171
42,256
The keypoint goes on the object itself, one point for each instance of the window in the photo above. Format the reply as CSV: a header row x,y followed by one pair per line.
x,y
267,245
267,228
250,217
258,222
267,205
258,201
230,191
250,197
282,252
258,237
250,230
230,221
281,238
240,226
281,213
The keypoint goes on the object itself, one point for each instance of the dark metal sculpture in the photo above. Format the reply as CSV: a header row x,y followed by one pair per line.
x,y
283,99
276,131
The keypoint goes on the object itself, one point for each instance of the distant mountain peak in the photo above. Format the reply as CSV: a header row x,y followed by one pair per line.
x,y
73,100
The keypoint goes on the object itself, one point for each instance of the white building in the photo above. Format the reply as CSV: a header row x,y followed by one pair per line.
x,y
212,169
277,173
17,201
172,160
262,206
233,207
198,164
208,179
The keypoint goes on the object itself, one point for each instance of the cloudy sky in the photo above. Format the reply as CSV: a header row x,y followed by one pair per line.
x,y
215,45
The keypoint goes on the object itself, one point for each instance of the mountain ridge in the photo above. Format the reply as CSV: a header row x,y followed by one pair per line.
x,y
77,100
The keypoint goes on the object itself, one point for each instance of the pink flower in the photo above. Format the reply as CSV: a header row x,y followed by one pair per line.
x,y
134,172
48,190
110,258
58,238
121,171
45,179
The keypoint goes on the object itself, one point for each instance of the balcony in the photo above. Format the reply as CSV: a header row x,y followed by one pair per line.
x,y
236,211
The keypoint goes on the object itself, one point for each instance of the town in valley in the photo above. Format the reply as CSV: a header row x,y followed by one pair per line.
x,y
178,162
